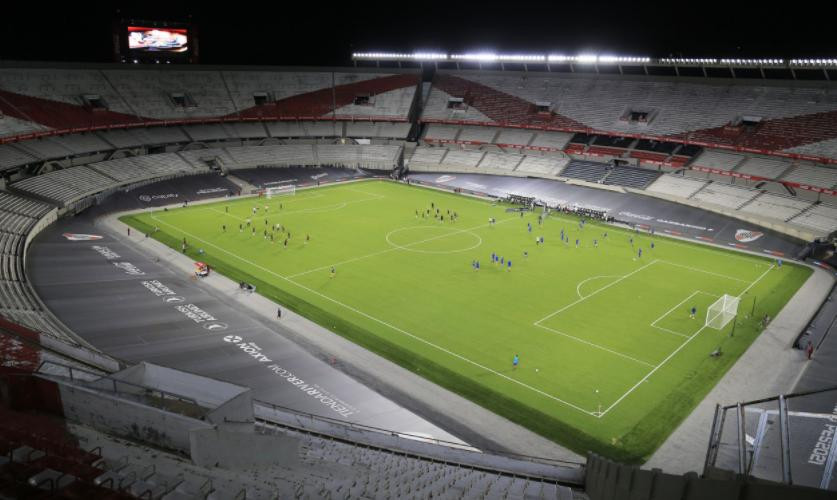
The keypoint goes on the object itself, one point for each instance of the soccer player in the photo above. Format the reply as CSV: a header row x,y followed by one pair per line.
x,y
240,228
508,265
595,243
605,235
493,256
254,231
529,225
632,241
576,242
502,259
227,209
286,243
652,245
541,240
478,265
307,238
525,254
515,362
779,263
333,271
224,228
639,254
693,312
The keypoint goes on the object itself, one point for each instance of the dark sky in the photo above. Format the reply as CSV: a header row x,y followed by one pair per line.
x,y
322,33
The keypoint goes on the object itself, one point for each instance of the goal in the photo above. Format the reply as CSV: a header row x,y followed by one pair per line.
x,y
288,189
722,311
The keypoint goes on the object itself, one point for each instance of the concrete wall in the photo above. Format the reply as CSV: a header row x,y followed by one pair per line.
x,y
110,414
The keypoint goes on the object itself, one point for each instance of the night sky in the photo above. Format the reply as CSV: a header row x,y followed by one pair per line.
x,y
326,33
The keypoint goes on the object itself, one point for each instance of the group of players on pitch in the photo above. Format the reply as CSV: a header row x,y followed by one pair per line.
x,y
272,232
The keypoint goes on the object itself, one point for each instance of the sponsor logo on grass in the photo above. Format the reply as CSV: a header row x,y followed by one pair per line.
x,y
445,178
198,315
745,236
148,197
212,190
235,339
212,327
105,252
82,237
319,176
129,268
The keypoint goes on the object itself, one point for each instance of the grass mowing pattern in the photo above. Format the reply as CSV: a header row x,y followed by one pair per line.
x,y
589,323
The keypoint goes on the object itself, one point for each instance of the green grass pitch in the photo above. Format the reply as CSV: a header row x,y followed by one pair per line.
x,y
610,360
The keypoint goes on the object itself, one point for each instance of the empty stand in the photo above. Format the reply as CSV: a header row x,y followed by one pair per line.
x,y
675,185
638,178
725,195
586,170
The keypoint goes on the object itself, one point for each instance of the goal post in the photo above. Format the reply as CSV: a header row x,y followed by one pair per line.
x,y
722,311
285,190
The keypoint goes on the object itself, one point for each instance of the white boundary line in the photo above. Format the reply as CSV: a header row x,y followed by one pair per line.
x,y
654,323
597,346
393,327
703,271
751,285
537,323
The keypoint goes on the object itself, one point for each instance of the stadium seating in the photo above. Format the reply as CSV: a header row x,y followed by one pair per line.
x,y
546,166
586,170
820,217
441,132
813,175
514,136
478,134
64,186
10,156
638,178
770,168
500,161
720,160
775,206
724,195
675,185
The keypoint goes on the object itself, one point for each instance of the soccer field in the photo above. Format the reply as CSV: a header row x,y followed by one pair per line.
x,y
610,359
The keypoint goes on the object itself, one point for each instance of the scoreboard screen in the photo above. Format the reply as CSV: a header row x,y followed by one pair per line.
x,y
158,40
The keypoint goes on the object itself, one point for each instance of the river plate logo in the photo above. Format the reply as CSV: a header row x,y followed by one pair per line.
x,y
235,339
745,236
82,237
215,325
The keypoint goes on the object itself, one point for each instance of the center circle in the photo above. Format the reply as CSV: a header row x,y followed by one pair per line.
x,y
450,239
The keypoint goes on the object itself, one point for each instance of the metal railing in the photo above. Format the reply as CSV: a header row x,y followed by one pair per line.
x,y
787,438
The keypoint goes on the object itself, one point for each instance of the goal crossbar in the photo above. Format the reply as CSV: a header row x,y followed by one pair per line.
x,y
722,311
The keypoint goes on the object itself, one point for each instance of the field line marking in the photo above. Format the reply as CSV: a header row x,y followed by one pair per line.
x,y
663,329
537,323
654,323
703,271
393,327
678,349
597,346
578,287
393,249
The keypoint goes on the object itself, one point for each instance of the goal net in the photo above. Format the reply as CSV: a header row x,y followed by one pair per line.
x,y
722,311
288,189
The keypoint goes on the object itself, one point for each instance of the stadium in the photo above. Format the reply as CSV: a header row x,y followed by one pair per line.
x,y
423,274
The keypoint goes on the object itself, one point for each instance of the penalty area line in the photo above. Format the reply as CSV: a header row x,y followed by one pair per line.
x,y
663,362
